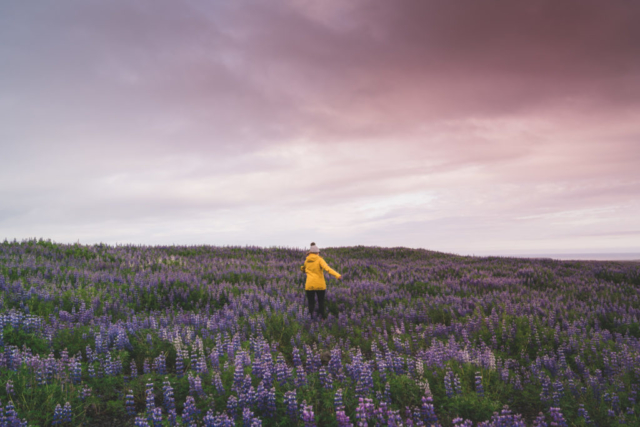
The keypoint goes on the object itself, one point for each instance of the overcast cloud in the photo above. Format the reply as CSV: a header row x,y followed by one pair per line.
x,y
460,126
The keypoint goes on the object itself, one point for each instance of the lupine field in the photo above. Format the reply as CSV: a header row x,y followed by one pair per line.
x,y
220,336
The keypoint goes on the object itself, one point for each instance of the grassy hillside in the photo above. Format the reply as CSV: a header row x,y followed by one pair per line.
x,y
206,335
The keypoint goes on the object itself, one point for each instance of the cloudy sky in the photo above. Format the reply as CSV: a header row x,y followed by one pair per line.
x,y
461,126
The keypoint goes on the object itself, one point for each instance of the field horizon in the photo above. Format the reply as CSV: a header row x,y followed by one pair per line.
x,y
633,256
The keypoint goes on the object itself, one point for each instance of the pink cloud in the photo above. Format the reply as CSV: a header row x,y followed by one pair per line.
x,y
448,125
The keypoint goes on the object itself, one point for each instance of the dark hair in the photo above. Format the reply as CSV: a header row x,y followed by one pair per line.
x,y
313,243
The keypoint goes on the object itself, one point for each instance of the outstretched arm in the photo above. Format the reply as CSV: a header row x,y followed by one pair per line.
x,y
329,270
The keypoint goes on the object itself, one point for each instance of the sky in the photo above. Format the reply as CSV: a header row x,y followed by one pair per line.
x,y
467,126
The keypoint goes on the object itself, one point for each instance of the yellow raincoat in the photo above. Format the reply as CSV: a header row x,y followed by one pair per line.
x,y
314,266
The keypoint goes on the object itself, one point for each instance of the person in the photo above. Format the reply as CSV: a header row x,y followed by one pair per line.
x,y
315,285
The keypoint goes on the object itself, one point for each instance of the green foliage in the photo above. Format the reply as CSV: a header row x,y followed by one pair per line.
x,y
19,338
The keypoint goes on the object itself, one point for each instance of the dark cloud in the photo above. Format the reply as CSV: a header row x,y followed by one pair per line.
x,y
476,122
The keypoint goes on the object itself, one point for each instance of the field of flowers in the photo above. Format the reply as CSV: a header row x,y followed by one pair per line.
x,y
220,336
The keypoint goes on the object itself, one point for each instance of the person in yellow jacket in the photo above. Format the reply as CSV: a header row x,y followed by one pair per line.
x,y
314,266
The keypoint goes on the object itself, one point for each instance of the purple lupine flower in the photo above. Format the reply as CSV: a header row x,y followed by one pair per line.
x,y
387,393
505,418
448,383
179,364
337,401
217,383
380,412
427,411
11,416
361,414
301,378
308,417
141,422
297,362
58,417
40,379
156,417
9,387
540,421
615,402
232,406
201,365
459,422
583,414
325,378
335,365
558,392
257,367
238,376
167,394
86,392
270,409
246,384
479,387
557,419
243,401
192,384
76,371
98,342
108,365
193,361
129,403
209,419
456,384
150,401
134,369
172,417
190,412
160,364
247,417
545,393
261,397
291,404
394,419
342,419
267,377
281,370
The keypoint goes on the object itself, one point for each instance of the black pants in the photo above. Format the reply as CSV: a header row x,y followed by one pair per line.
x,y
311,298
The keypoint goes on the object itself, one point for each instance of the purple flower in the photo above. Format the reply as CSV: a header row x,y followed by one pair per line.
x,y
190,412
459,422
232,406
150,401
557,419
308,418
141,422
479,387
156,417
167,395
129,403
217,383
291,404
58,417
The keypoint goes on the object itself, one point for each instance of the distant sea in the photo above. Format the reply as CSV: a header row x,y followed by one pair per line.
x,y
634,256
583,256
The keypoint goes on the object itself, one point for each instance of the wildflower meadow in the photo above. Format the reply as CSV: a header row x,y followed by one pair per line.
x,y
131,335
